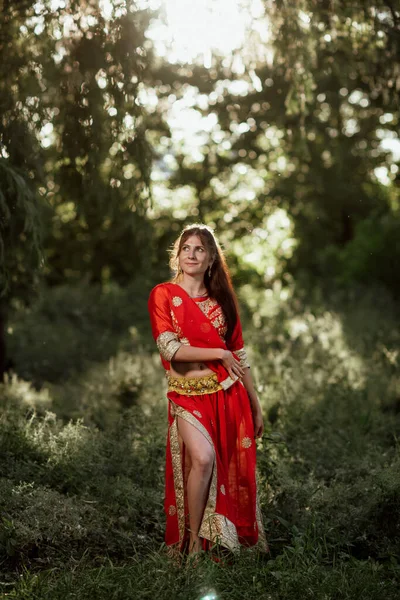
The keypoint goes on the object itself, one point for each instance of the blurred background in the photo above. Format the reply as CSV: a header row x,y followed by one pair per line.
x,y
277,123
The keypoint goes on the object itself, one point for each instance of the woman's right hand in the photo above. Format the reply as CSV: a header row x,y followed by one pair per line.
x,y
232,365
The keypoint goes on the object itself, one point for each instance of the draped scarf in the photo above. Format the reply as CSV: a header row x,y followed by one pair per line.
x,y
191,326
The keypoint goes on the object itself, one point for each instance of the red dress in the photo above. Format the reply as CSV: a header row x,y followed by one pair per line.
x,y
219,408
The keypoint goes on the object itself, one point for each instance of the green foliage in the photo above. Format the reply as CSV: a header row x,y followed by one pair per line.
x,y
72,327
330,377
20,231
154,576
305,137
82,459
84,102
70,491
83,416
372,254
73,126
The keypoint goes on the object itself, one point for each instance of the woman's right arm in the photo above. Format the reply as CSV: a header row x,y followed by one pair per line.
x,y
169,345
192,354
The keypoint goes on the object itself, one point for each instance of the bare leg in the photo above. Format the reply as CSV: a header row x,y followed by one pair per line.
x,y
198,482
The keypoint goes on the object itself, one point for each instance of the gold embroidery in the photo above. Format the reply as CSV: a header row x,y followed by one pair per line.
x,y
198,414
207,305
178,476
220,530
179,331
193,386
181,412
246,442
176,324
172,510
214,527
222,488
228,382
220,323
214,312
176,301
242,356
168,343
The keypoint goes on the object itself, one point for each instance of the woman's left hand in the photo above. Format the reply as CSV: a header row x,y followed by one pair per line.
x,y
258,421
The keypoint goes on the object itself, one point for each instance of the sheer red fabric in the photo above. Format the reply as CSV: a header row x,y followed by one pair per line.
x,y
232,516
177,318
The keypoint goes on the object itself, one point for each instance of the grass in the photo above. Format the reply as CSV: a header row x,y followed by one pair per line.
x,y
82,437
289,576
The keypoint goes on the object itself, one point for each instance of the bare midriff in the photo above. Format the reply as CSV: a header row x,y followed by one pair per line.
x,y
189,369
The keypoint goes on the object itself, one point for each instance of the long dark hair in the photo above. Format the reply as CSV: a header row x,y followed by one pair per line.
x,y
218,284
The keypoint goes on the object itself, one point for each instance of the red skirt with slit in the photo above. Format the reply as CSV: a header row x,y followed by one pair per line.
x,y
232,515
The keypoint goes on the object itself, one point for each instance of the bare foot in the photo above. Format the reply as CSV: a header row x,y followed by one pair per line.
x,y
195,545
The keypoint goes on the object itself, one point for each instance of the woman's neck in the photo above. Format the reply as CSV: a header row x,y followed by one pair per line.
x,y
194,287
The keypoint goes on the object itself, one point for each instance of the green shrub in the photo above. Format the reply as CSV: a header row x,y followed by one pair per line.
x,y
372,254
82,457
70,490
68,328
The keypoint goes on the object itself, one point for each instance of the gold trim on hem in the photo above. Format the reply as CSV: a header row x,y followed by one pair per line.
x,y
178,477
214,527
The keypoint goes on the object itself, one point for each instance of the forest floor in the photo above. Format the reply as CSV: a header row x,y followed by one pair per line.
x,y
82,440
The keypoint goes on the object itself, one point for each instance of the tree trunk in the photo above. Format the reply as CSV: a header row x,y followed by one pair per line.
x,y
2,341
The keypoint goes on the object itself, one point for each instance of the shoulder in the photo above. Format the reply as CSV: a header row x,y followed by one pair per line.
x,y
160,292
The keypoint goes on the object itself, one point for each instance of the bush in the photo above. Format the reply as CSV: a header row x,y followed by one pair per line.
x,y
68,329
330,383
82,460
70,490
372,254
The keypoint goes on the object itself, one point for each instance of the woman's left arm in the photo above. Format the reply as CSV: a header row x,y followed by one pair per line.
x,y
258,420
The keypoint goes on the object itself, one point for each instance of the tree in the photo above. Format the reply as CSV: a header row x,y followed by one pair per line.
x,y
76,159
309,126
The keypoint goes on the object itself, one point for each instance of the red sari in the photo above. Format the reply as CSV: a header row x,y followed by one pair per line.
x,y
219,408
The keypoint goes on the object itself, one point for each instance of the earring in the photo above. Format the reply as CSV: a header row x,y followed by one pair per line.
x,y
209,271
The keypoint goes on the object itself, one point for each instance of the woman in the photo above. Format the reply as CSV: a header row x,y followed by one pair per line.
x,y
214,414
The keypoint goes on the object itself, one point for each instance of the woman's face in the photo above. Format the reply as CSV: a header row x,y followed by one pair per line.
x,y
194,258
